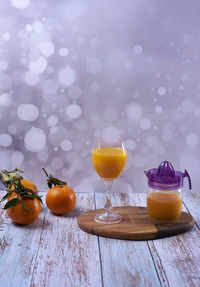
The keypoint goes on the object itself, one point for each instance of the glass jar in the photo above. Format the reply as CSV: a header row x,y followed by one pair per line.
x,y
165,186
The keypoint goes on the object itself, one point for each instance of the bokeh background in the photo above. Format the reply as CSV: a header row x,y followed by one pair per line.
x,y
75,70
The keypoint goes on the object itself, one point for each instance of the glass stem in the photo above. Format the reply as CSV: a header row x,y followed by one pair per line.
x,y
108,186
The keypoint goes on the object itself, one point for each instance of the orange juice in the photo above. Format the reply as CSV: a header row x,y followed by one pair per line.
x,y
109,161
164,206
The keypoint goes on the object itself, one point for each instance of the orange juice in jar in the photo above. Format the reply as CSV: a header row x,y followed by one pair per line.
x,y
164,199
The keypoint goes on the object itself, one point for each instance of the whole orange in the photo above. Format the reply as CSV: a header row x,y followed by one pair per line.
x,y
22,216
61,199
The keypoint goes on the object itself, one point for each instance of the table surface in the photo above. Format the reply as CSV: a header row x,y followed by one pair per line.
x,y
53,251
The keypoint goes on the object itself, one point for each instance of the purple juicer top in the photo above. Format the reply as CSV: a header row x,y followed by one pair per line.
x,y
165,177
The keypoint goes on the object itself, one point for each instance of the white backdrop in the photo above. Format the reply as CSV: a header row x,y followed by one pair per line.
x,y
72,71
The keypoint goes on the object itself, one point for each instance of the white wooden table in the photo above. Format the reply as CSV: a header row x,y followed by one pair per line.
x,y
53,251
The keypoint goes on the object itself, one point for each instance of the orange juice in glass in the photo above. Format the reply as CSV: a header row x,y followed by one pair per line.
x,y
109,159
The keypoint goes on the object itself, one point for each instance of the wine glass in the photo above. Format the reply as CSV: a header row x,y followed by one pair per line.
x,y
109,159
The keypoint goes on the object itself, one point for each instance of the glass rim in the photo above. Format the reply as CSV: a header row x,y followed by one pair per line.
x,y
108,141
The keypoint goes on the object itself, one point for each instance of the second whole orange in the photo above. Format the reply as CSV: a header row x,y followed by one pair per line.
x,y
61,199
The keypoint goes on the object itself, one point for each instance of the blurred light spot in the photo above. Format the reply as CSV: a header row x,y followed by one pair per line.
x,y
20,4
74,92
67,76
38,66
29,27
145,123
66,145
31,79
74,111
6,100
134,111
93,65
17,158
27,112
52,120
137,49
38,26
6,37
57,135
63,52
158,109
192,139
161,91
130,144
187,106
35,139
5,140
47,49
111,133
5,82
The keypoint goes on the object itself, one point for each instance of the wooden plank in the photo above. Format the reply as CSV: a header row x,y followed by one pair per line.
x,y
67,255
125,263
18,250
192,202
176,258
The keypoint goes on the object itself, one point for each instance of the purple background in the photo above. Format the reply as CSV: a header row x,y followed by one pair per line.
x,y
72,71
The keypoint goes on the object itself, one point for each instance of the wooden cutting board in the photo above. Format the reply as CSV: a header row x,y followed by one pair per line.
x,y
136,224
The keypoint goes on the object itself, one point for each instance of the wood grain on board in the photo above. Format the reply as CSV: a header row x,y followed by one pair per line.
x,y
135,224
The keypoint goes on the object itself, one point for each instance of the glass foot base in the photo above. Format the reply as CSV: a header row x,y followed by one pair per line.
x,y
108,218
